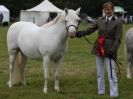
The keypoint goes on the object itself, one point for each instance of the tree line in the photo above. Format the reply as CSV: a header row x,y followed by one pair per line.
x,y
90,7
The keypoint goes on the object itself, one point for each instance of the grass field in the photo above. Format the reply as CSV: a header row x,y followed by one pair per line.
x,y
78,74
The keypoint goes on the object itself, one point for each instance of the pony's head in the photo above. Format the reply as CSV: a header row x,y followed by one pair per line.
x,y
71,21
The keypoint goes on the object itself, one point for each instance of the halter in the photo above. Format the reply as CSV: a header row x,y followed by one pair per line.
x,y
67,28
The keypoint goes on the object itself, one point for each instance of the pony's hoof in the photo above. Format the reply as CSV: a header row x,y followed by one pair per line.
x,y
129,77
45,90
10,85
57,89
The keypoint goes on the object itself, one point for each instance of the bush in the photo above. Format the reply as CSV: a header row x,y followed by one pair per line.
x,y
5,23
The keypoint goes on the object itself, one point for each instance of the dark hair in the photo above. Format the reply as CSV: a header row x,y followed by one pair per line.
x,y
108,3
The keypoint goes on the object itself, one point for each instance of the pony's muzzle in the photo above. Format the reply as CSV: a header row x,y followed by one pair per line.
x,y
72,31
72,34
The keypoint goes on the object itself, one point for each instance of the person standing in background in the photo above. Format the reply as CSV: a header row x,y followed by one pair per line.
x,y
1,17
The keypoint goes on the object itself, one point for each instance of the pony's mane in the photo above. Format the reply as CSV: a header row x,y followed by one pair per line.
x,y
60,17
54,21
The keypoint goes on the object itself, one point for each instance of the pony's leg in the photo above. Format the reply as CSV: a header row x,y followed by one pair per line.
x,y
12,58
129,70
129,63
23,63
57,74
46,61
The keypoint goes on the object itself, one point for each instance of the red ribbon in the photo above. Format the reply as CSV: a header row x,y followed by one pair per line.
x,y
101,40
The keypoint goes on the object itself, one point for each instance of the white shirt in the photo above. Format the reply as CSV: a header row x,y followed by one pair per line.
x,y
109,18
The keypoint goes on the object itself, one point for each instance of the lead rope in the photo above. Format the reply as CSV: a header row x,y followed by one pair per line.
x,y
117,64
88,41
116,61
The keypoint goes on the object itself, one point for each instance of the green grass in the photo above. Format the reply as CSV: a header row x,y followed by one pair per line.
x,y
78,74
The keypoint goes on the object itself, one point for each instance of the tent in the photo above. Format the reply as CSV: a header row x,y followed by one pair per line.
x,y
120,10
5,14
40,13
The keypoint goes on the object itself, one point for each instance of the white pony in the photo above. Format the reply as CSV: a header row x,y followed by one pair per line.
x,y
129,52
47,42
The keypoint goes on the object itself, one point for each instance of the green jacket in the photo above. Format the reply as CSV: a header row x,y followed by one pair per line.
x,y
111,30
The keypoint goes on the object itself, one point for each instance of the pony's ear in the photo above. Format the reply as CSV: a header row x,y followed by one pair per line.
x,y
78,11
66,11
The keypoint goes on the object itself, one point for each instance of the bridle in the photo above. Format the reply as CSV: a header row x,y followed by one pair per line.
x,y
76,27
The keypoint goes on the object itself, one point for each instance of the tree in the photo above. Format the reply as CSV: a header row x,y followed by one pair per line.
x,y
90,7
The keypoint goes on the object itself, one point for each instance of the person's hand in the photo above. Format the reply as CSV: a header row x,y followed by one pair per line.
x,y
78,34
110,54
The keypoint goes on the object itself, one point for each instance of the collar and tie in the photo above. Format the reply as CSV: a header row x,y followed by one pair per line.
x,y
108,18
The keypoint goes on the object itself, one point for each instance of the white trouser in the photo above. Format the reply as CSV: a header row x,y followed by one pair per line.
x,y
100,61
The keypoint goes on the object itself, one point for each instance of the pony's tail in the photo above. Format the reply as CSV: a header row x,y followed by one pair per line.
x,y
17,75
